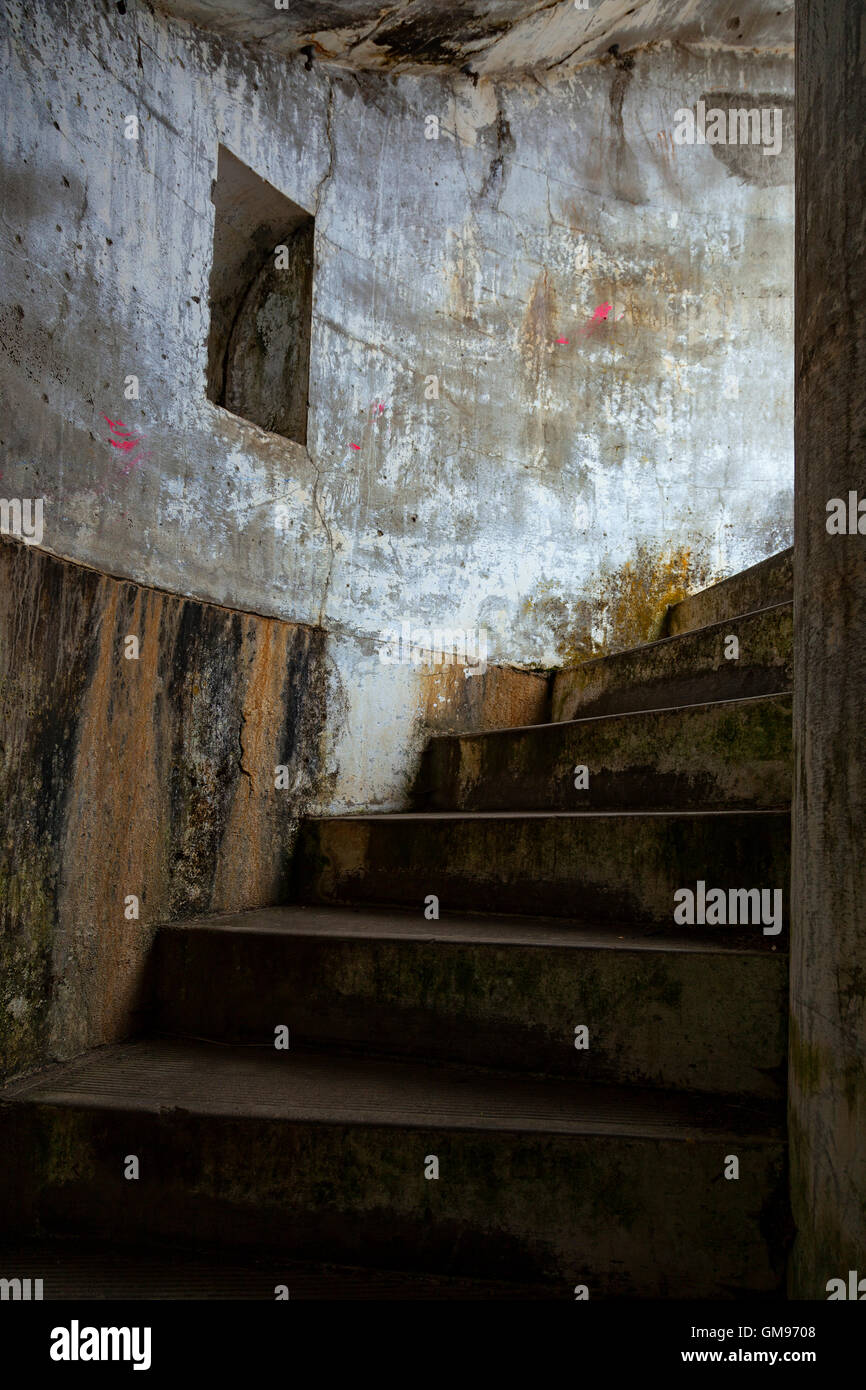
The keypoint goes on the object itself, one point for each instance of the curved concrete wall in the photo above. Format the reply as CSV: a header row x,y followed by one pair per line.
x,y
134,772
580,465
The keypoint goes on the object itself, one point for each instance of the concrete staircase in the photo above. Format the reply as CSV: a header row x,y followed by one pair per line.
x,y
420,1045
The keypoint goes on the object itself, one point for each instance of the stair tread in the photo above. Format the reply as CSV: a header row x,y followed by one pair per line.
x,y
619,714
156,1076
722,625
686,667
90,1270
668,814
772,578
388,924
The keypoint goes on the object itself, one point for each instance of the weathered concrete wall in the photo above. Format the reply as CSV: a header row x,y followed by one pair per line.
x,y
550,484
828,942
155,777
151,777
487,35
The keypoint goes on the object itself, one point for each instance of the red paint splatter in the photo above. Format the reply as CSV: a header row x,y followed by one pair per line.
x,y
599,316
126,440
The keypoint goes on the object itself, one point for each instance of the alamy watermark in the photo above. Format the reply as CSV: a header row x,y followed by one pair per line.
x,y
410,646
20,1290
77,1343
846,516
738,125
855,1288
732,907
22,517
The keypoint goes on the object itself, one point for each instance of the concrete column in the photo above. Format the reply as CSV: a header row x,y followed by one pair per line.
x,y
828,958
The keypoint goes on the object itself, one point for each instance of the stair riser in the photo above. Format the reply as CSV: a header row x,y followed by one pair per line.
x,y
684,670
683,1020
608,869
765,584
73,1270
706,757
628,1217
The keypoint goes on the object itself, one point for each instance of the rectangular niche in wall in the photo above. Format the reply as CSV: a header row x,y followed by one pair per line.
x,y
261,302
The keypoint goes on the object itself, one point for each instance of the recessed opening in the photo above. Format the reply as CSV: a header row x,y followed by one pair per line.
x,y
261,302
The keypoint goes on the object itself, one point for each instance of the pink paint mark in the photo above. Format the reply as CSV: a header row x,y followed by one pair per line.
x,y
355,446
562,340
126,440
599,316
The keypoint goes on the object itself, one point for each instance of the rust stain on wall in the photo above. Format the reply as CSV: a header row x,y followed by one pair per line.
x,y
112,829
498,698
639,594
149,777
537,331
464,274
627,607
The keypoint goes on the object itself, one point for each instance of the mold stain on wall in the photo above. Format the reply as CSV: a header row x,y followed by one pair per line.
x,y
625,608
150,777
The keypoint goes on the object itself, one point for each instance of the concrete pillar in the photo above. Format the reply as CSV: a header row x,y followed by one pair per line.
x,y
828,957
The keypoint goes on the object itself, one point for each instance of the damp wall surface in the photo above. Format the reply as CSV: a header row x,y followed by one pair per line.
x,y
658,436
142,772
553,494
157,749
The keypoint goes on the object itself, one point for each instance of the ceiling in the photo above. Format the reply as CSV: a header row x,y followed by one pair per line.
x,y
487,36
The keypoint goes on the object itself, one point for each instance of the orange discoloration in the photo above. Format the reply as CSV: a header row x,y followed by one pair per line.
x,y
642,591
148,777
537,330
110,849
248,875
497,698
625,608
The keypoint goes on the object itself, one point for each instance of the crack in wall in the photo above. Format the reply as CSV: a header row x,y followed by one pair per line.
x,y
242,751
331,546
329,140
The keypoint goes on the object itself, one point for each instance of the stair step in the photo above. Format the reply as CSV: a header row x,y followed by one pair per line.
x,y
89,1270
592,867
731,753
683,1012
769,582
686,670
324,1158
